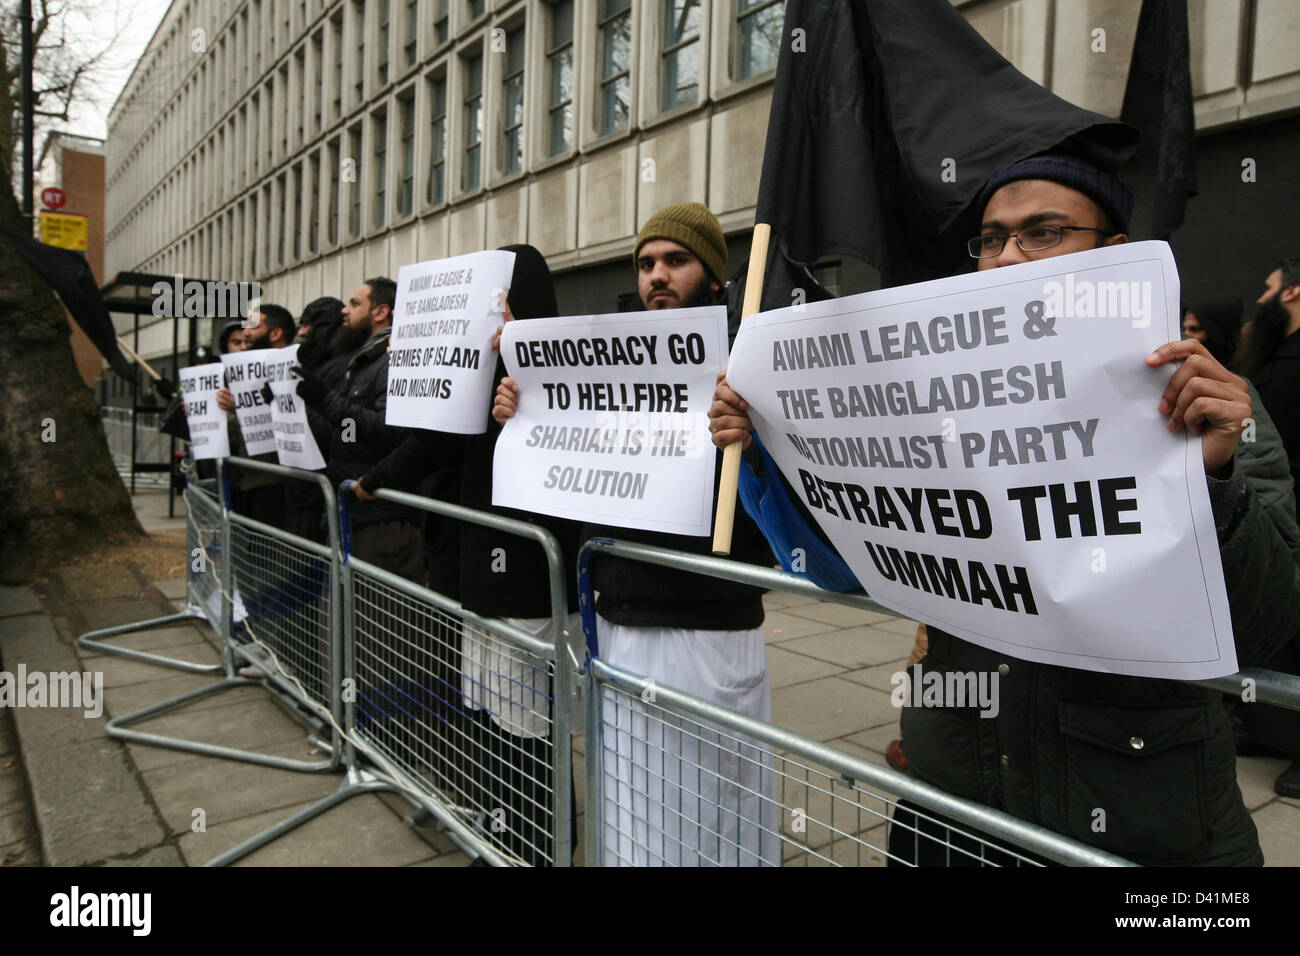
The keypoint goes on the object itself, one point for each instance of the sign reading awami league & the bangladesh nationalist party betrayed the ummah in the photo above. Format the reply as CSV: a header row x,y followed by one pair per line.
x,y
441,366
987,454
612,424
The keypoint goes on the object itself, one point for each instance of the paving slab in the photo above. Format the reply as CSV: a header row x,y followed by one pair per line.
x,y
97,615
840,615
133,697
1255,776
174,589
15,601
852,648
228,789
787,668
872,741
122,672
154,639
89,805
881,677
158,856
1279,833
831,707
361,831
33,640
782,626
249,725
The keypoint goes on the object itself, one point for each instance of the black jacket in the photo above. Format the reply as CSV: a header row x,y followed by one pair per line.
x,y
635,594
1155,757
1278,384
359,436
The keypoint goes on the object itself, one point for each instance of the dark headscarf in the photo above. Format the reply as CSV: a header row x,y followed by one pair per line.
x,y
324,315
532,294
223,337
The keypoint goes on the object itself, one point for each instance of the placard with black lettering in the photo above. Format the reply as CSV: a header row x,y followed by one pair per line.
x,y
988,455
199,385
612,420
440,360
295,445
246,373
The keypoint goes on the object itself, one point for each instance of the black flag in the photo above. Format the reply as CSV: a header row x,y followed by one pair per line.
x,y
69,275
888,116
1158,101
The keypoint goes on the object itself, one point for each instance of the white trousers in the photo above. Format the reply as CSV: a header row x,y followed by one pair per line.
x,y
509,682
680,792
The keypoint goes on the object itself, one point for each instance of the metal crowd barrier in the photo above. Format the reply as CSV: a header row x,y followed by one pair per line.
x,y
266,593
203,542
469,716
675,780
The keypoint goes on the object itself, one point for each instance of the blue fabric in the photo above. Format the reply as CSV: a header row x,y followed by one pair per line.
x,y
767,502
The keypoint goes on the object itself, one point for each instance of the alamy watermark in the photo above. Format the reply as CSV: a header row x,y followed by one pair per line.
x,y
78,690
212,300
934,688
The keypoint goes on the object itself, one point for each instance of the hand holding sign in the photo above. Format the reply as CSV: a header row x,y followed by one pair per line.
x,y
1206,398
728,416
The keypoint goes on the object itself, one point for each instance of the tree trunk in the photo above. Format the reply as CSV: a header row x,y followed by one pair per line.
x,y
60,494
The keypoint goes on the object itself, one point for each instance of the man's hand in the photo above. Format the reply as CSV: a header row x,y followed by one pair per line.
x,y
729,416
225,401
361,493
507,316
506,403
1206,398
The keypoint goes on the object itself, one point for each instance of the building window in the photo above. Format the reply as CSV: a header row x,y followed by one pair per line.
x,y
615,63
440,31
297,212
354,188
679,77
313,211
559,64
336,38
383,41
437,190
830,276
512,144
282,208
317,93
473,122
406,195
359,19
412,30
475,8
759,25
379,129
335,161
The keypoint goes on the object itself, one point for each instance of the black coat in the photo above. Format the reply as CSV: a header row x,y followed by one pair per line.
x,y
359,437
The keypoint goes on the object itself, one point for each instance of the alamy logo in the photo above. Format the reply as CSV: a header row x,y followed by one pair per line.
x,y
947,689
211,300
83,691
1084,299
102,909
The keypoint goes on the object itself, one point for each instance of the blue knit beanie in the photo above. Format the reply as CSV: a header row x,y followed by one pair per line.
x,y
1113,196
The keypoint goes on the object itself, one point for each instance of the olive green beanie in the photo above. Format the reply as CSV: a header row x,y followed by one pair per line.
x,y
689,224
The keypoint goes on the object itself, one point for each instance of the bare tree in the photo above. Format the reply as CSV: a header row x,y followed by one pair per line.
x,y
60,494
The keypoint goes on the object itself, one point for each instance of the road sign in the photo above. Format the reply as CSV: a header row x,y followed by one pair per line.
x,y
53,197
64,229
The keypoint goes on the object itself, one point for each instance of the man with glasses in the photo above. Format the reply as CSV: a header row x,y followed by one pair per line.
x,y
1141,767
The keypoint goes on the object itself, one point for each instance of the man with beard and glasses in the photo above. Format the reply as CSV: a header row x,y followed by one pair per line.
x,y
258,494
703,799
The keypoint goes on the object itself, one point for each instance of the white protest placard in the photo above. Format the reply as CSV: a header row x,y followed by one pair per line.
x,y
612,425
246,373
440,369
987,454
295,445
199,385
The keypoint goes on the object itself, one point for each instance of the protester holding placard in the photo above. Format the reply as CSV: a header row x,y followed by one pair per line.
x,y
697,634
257,494
496,575
1143,767
382,533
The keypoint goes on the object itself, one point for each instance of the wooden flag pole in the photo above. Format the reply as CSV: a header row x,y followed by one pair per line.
x,y
142,363
725,517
